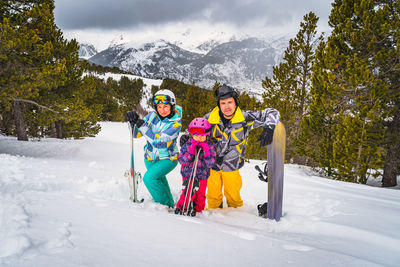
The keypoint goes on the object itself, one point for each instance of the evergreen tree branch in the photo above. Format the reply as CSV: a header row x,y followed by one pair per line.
x,y
36,104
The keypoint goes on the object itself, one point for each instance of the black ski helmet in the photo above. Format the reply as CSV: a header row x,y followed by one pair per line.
x,y
223,92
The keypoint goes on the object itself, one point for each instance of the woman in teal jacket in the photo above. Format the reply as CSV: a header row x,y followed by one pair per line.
x,y
161,129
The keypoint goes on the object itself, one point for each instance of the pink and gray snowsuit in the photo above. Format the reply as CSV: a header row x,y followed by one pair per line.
x,y
205,162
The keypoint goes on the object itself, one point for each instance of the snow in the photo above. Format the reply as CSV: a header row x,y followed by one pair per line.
x,y
65,203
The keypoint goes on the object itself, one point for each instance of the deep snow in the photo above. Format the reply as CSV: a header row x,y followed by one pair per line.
x,y
65,203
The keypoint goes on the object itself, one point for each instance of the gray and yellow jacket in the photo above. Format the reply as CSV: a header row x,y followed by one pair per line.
x,y
231,139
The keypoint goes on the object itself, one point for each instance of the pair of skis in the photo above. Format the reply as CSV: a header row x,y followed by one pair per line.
x,y
134,177
190,190
274,175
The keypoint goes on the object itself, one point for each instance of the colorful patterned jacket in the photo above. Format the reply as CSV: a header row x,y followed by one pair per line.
x,y
204,164
161,135
230,141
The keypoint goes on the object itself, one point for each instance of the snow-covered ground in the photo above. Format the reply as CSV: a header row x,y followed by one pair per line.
x,y
65,203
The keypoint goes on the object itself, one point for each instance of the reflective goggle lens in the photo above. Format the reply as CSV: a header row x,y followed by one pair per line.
x,y
199,131
164,99
196,130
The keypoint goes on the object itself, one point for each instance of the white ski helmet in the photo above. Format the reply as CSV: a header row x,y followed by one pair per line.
x,y
164,96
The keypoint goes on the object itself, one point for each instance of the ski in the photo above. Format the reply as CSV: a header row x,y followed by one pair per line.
x,y
134,177
190,190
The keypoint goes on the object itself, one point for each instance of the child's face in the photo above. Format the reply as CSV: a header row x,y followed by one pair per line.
x,y
199,138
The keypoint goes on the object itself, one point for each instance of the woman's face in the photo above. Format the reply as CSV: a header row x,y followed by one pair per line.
x,y
163,109
199,138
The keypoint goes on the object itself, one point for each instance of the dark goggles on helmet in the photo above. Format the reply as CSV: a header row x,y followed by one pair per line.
x,y
225,91
164,99
198,131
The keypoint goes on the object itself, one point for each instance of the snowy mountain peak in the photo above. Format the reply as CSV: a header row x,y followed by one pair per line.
x,y
120,39
207,46
86,50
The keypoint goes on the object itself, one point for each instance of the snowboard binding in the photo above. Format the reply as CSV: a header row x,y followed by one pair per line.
x,y
262,209
263,175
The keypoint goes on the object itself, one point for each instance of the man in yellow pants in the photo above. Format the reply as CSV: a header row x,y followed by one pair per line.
x,y
230,129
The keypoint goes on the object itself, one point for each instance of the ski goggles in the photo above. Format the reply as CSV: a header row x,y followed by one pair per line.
x,y
164,99
199,131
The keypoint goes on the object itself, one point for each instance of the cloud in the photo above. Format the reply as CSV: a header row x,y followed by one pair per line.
x,y
187,23
131,14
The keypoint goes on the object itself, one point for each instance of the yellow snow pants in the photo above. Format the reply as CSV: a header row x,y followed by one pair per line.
x,y
232,183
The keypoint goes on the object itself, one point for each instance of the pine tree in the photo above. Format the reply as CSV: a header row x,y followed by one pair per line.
x,y
289,89
354,115
68,98
24,59
191,106
56,101
253,149
315,140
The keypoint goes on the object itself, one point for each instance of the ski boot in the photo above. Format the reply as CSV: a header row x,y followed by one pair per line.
x,y
192,210
178,211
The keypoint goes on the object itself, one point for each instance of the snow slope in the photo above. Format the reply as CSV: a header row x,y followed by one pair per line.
x,y
65,203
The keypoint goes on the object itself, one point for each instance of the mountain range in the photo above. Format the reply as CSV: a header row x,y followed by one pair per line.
x,y
242,64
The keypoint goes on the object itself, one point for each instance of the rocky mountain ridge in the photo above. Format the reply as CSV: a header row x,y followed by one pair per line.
x,y
242,64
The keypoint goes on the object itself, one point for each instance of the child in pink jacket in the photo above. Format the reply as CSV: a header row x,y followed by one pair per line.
x,y
199,129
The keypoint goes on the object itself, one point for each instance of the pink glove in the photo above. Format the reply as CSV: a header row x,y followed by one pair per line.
x,y
206,148
192,147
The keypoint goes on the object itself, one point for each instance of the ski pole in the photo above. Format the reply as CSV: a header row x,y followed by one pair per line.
x,y
190,202
189,179
190,182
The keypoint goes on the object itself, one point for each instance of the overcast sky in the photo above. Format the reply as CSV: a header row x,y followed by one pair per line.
x,y
86,19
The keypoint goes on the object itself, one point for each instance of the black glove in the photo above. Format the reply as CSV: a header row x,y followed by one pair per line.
x,y
266,136
133,118
184,139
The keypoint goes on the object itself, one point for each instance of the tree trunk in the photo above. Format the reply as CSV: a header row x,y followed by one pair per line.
x,y
19,121
59,129
53,130
392,161
391,169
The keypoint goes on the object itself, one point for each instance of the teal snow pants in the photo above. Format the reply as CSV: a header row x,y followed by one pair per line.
x,y
157,183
